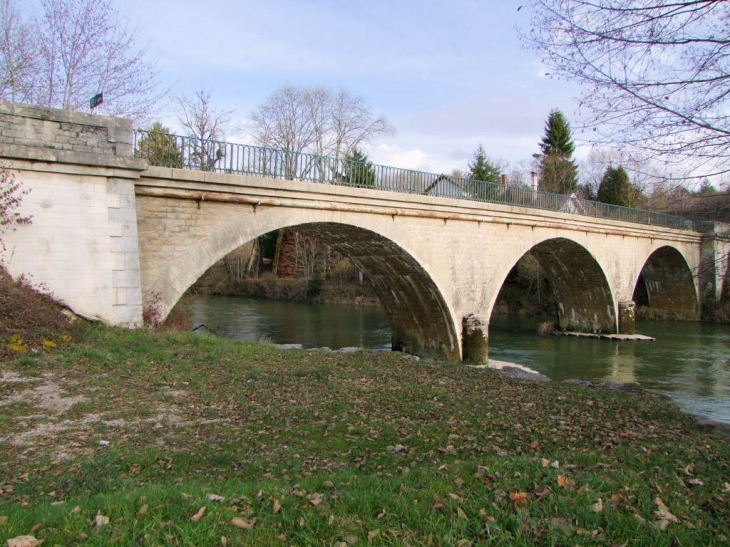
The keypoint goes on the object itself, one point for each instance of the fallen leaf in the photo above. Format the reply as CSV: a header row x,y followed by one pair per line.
x,y
328,484
519,497
24,541
224,541
143,510
461,514
380,515
240,522
197,516
457,498
565,482
75,510
373,534
464,543
3,520
100,520
542,491
689,470
438,505
598,506
663,513
215,497
696,482
561,524
277,507
281,537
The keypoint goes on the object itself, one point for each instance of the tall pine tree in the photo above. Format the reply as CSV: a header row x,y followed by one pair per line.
x,y
559,173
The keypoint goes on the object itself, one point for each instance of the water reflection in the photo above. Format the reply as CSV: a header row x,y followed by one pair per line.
x,y
690,362
292,322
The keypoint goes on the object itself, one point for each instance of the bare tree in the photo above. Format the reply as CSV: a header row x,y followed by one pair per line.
x,y
18,55
71,51
655,71
205,124
317,121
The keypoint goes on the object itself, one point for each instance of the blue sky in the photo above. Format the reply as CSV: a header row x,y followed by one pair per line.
x,y
448,74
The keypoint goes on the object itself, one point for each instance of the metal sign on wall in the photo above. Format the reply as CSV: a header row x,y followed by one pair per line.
x,y
96,100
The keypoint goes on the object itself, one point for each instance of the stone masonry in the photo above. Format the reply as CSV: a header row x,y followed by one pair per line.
x,y
83,243
110,233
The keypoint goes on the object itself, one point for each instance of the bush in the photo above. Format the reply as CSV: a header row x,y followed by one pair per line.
x,y
11,197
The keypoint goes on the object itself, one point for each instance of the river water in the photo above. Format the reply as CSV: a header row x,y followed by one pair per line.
x,y
690,362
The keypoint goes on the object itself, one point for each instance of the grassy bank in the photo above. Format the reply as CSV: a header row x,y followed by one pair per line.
x,y
141,438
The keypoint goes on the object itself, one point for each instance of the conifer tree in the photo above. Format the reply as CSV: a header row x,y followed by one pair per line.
x,y
480,168
359,170
158,147
559,173
615,188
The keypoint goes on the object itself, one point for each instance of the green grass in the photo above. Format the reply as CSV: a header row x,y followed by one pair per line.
x,y
316,448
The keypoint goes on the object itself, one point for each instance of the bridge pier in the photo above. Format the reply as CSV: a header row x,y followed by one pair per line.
x,y
627,317
475,339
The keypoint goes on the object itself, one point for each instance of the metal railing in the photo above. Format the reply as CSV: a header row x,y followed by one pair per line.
x,y
165,150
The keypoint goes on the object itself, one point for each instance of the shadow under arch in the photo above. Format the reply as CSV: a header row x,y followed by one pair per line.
x,y
666,285
582,293
418,314
420,319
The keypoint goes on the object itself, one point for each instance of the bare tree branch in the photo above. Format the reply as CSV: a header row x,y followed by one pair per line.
x,y
316,120
204,123
73,50
17,55
656,73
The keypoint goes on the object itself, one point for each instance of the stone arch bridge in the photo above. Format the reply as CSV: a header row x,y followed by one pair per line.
x,y
110,233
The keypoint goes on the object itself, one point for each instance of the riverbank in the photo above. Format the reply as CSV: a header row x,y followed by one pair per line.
x,y
175,438
314,291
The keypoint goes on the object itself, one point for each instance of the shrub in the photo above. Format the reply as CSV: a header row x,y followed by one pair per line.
x,y
11,197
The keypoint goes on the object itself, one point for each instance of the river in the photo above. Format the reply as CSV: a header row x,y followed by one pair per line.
x,y
689,362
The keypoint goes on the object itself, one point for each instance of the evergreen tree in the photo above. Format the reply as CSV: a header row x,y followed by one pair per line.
x,y
558,140
480,168
616,188
359,170
559,173
158,147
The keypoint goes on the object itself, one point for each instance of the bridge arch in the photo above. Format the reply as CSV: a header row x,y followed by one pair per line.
x,y
667,286
420,318
582,292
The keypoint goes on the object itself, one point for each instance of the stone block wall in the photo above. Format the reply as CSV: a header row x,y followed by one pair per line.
x,y
82,244
34,132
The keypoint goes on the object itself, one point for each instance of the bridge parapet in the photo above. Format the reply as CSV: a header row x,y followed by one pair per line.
x,y
48,134
166,150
